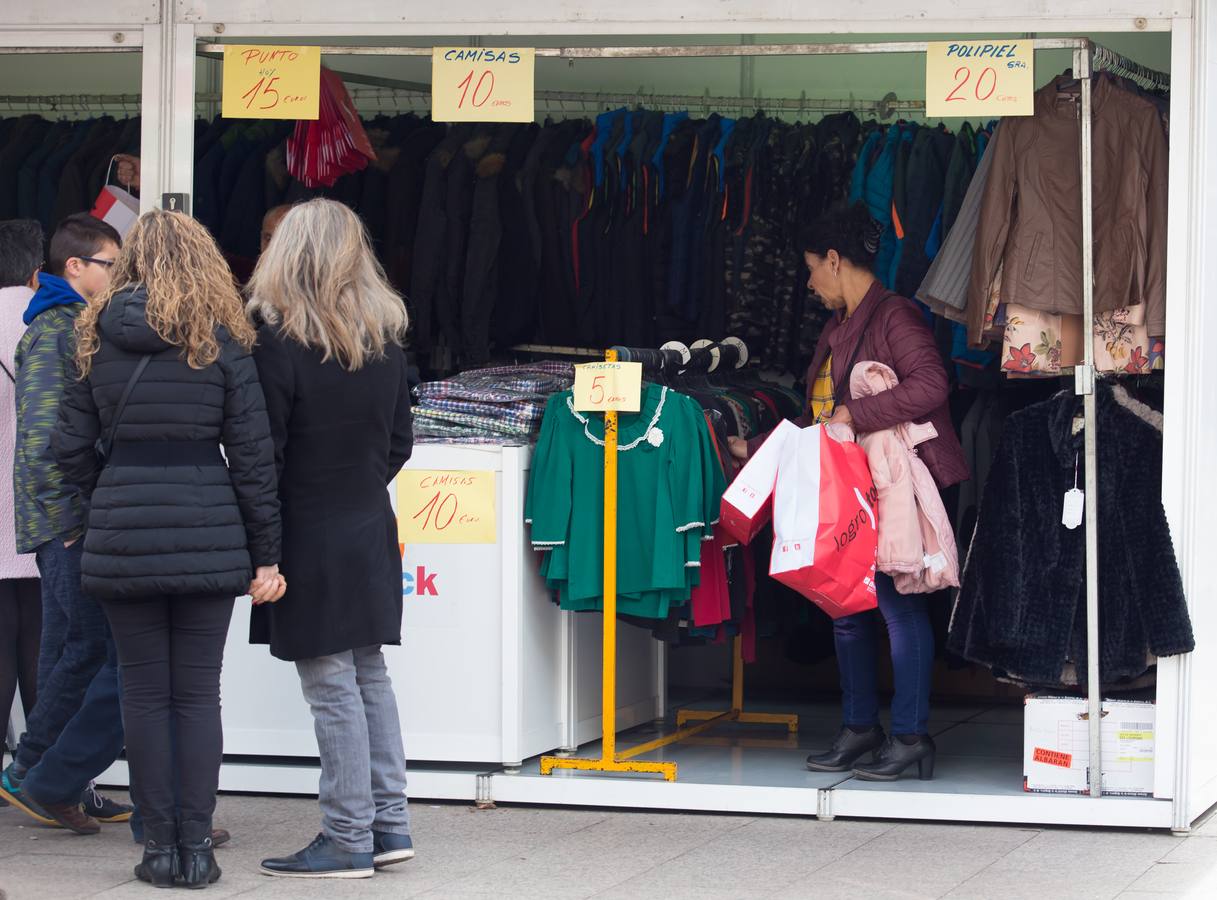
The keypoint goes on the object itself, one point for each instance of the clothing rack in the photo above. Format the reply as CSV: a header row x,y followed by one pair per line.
x,y
679,358
79,104
1109,60
408,96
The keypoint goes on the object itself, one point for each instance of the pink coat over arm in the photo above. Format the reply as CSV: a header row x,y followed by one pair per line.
x,y
916,541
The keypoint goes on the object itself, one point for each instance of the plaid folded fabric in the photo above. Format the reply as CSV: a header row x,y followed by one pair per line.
x,y
506,384
500,440
492,424
529,412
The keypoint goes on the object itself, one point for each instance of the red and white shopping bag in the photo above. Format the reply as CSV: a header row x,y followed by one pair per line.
x,y
747,503
825,529
116,206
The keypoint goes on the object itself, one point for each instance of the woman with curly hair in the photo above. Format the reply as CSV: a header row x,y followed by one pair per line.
x,y
176,528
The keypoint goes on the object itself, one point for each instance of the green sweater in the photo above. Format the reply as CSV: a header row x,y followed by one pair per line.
x,y
669,487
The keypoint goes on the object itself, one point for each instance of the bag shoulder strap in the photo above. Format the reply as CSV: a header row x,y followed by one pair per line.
x,y
8,372
108,442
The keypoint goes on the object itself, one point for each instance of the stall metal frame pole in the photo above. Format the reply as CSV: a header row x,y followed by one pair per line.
x,y
1084,385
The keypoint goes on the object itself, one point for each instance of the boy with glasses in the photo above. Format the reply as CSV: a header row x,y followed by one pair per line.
x,y
74,731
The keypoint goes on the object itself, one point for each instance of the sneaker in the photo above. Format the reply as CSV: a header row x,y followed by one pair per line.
x,y
388,848
103,809
71,816
320,859
10,791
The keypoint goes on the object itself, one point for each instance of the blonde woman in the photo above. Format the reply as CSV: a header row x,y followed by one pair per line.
x,y
174,533
331,362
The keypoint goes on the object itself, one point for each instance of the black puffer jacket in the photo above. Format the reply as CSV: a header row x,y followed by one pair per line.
x,y
167,516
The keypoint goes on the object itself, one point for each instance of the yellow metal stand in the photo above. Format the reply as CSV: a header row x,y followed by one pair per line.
x,y
610,760
736,712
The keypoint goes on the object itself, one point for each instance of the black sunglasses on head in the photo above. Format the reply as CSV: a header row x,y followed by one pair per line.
x,y
93,259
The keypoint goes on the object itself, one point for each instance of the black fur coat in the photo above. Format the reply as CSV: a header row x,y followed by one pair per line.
x,y
1021,610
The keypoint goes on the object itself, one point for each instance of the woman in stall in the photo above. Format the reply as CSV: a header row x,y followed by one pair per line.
x,y
870,323
332,365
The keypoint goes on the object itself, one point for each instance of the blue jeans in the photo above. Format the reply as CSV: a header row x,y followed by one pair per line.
x,y
54,624
88,744
363,762
912,640
84,654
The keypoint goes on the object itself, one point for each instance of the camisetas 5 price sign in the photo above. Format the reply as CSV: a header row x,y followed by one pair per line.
x,y
979,79
269,82
482,84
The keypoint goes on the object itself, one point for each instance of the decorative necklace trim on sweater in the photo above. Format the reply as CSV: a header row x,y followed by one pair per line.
x,y
653,435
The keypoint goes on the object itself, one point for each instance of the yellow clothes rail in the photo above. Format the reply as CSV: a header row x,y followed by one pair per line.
x,y
610,760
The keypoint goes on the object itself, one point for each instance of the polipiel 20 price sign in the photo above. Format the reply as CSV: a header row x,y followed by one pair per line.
x,y
482,84
269,82
980,79
446,507
602,386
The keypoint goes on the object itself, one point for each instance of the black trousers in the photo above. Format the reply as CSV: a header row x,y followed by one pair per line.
x,y
20,638
170,650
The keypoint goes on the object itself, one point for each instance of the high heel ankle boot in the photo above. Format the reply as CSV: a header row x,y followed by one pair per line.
x,y
896,756
848,747
159,867
197,855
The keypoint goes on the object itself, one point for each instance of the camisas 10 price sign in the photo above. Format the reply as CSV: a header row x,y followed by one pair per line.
x,y
482,84
445,507
979,79
269,82
602,386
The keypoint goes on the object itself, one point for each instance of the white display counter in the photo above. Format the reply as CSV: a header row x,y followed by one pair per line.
x,y
490,671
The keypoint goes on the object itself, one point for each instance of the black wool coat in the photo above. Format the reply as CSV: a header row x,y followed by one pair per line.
x,y
167,516
340,438
1022,607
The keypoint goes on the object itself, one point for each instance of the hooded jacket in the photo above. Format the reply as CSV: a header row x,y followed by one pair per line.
x,y
46,508
1022,608
916,543
167,516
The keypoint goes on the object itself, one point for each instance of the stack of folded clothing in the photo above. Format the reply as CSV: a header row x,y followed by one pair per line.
x,y
502,405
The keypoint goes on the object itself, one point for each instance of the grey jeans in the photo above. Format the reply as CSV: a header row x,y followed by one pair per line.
x,y
363,762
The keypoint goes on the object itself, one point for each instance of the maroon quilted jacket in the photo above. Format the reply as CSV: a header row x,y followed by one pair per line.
x,y
893,331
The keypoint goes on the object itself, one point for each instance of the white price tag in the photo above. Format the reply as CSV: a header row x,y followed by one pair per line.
x,y
1075,504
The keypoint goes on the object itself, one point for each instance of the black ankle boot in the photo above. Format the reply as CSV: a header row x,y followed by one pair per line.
x,y
159,866
896,756
197,853
847,749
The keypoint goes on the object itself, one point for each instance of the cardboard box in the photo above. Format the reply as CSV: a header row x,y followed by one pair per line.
x,y
1056,738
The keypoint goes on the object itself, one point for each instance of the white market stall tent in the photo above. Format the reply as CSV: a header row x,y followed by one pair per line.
x,y
541,683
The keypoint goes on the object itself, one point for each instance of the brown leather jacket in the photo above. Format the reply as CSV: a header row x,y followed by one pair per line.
x,y
1031,215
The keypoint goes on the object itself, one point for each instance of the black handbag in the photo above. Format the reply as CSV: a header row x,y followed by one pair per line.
x,y
105,443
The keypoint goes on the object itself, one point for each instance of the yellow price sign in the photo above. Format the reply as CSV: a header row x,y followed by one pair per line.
x,y
446,507
979,79
270,82
483,84
601,386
